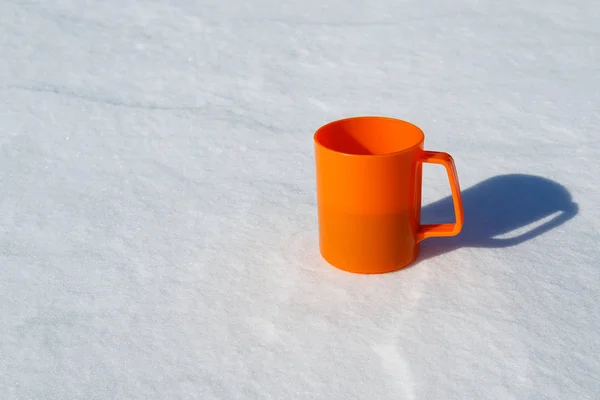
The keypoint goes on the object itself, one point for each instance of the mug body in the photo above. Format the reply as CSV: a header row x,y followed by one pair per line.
x,y
368,193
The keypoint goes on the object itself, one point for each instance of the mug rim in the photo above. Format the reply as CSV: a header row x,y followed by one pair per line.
x,y
418,144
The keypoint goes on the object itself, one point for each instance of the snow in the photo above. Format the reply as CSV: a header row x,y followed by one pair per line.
x,y
158,234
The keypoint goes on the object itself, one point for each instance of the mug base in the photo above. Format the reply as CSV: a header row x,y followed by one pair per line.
x,y
372,270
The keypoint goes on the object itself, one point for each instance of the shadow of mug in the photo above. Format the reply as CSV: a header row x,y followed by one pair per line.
x,y
496,207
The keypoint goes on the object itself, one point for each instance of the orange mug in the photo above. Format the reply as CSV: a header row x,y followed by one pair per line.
x,y
369,176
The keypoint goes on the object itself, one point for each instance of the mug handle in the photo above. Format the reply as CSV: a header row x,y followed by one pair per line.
x,y
433,230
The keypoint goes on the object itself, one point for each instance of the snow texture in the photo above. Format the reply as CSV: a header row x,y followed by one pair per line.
x,y
158,233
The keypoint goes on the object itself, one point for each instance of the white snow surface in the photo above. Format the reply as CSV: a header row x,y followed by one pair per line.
x,y
158,232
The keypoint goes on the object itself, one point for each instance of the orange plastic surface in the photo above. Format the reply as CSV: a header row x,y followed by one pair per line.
x,y
454,229
369,175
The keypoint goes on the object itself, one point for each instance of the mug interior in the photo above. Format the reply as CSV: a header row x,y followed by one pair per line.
x,y
369,136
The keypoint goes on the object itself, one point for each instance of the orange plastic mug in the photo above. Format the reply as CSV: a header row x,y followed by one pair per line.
x,y
369,175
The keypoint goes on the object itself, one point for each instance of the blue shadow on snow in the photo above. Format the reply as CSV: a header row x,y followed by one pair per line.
x,y
496,207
